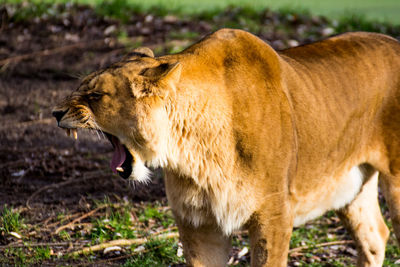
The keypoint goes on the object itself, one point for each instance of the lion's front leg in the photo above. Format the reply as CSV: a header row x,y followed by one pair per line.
x,y
204,245
270,231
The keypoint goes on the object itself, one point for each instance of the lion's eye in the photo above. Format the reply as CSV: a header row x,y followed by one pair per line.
x,y
95,95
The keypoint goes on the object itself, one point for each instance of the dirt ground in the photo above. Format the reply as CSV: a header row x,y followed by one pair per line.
x,y
44,172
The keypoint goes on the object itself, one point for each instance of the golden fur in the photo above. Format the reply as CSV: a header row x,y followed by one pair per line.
x,y
253,138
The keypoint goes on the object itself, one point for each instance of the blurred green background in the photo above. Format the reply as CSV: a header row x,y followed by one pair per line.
x,y
379,10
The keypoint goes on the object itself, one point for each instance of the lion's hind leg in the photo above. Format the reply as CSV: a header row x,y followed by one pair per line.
x,y
390,186
363,219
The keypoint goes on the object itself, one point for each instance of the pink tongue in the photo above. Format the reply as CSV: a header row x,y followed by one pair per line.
x,y
119,155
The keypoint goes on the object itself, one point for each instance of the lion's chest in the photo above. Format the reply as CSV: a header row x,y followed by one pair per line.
x,y
223,205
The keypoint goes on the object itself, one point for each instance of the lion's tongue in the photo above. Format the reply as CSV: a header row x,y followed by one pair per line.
x,y
119,155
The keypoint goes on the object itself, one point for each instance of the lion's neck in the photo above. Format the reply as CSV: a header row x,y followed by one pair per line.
x,y
201,149
199,146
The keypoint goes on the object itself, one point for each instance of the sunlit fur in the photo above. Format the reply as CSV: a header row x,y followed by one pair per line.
x,y
257,139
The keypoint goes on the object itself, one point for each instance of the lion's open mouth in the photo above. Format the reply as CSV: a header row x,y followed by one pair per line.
x,y
121,161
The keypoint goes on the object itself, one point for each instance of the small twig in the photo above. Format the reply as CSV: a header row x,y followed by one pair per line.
x,y
326,244
35,245
98,263
48,52
67,217
169,229
20,162
123,243
27,123
71,224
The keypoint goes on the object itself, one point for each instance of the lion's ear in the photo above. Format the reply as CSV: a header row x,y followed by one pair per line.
x,y
139,52
172,74
164,78
166,72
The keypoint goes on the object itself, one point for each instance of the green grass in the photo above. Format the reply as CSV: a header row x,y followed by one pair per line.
x,y
152,214
116,223
17,256
126,220
22,257
158,253
247,17
383,10
42,253
10,220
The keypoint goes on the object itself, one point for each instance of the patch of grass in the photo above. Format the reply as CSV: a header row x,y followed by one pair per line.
x,y
21,12
16,256
307,234
157,253
392,252
64,235
153,214
114,225
117,9
10,220
42,253
354,22
382,11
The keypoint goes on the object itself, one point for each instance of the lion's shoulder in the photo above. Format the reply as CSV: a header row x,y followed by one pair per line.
x,y
228,41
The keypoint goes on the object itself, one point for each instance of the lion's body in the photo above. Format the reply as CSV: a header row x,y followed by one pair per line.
x,y
253,138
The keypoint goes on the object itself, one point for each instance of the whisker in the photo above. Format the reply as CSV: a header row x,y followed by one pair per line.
x,y
96,126
137,143
132,184
97,133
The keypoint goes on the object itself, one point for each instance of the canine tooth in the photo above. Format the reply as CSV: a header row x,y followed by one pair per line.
x,y
68,132
120,169
75,133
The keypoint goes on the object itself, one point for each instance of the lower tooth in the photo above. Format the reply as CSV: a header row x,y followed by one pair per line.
x,y
120,169
75,133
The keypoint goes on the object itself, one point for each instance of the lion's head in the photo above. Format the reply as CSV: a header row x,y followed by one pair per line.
x,y
127,103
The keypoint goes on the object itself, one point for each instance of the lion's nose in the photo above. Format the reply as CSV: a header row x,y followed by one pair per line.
x,y
59,114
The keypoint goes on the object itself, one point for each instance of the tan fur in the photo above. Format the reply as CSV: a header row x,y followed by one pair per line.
x,y
258,139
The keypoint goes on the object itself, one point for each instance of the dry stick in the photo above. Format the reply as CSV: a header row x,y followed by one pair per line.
x,y
69,225
27,123
74,222
95,174
41,121
122,242
97,263
67,217
35,245
48,52
169,229
326,244
13,163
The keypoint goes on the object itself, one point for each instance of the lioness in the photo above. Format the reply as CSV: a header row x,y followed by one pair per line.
x,y
253,138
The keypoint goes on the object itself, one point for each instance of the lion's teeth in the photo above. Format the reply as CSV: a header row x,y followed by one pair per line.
x,y
120,169
68,132
75,133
